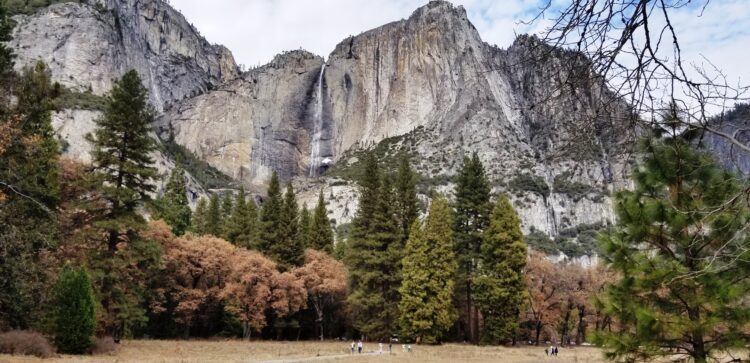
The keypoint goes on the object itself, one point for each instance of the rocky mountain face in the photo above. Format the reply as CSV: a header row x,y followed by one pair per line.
x,y
430,88
426,87
735,122
89,45
259,122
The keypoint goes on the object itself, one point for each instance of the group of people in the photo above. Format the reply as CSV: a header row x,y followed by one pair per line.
x,y
551,350
358,346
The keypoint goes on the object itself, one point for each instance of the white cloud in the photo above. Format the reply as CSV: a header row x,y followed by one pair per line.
x,y
256,30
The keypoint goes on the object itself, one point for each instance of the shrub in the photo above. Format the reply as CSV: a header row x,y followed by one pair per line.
x,y
530,183
563,184
74,317
539,241
25,342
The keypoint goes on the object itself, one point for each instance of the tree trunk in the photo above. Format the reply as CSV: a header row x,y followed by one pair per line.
x,y
565,328
469,327
319,322
246,331
475,324
699,347
581,332
538,331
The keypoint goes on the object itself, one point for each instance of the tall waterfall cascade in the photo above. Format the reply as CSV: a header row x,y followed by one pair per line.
x,y
318,128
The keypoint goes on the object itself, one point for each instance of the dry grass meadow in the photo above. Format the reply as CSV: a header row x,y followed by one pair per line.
x,y
196,351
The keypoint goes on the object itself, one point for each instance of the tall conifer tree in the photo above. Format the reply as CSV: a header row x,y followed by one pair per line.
x,y
29,188
200,217
429,268
227,206
121,155
321,234
253,225
213,224
270,217
173,206
499,288
305,226
241,228
407,204
472,217
375,257
122,161
287,250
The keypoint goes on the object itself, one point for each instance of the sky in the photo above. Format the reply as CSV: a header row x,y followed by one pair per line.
x,y
256,30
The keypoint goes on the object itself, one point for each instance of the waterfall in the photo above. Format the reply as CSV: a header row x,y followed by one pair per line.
x,y
318,128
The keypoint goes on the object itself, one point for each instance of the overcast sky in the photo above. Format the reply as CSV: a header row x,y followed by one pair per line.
x,y
256,30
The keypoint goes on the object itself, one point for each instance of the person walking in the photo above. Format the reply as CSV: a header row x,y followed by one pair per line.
x,y
359,346
352,347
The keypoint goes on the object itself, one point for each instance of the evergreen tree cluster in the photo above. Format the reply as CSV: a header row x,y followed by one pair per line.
x,y
410,281
375,249
278,228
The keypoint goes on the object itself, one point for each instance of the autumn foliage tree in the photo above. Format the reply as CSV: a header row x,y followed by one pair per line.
x,y
194,271
544,296
325,280
254,287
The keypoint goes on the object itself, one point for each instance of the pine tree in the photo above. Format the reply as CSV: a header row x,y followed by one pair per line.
x,y
173,207
321,234
29,192
121,155
124,168
227,206
472,207
199,219
213,217
680,249
407,203
250,239
305,226
429,268
270,217
499,288
368,195
241,227
374,256
74,315
287,250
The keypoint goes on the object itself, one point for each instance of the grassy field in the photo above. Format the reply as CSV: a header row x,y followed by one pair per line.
x,y
158,351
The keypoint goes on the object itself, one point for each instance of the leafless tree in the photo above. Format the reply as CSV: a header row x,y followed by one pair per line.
x,y
634,47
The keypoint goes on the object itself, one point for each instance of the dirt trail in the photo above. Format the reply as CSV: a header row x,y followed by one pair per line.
x,y
317,358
